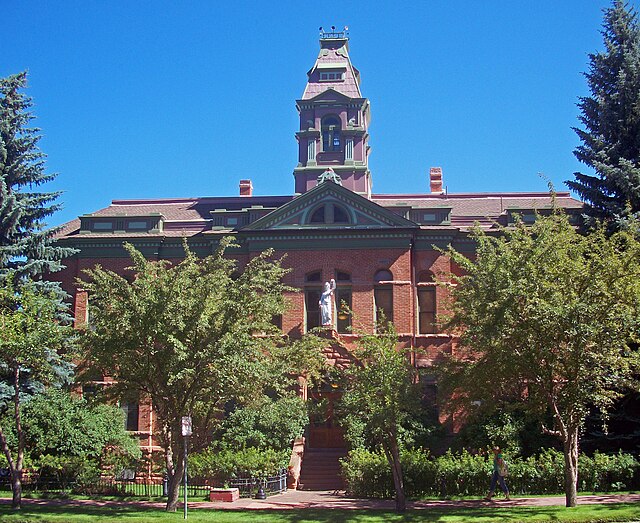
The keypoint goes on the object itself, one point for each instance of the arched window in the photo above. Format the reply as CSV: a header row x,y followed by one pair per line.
x,y
340,215
343,302
312,292
426,303
383,296
329,213
331,126
318,216
426,277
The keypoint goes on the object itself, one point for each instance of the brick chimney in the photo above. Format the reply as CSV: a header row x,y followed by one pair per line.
x,y
246,188
435,176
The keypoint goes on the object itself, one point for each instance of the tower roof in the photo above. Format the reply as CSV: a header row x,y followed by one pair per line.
x,y
333,58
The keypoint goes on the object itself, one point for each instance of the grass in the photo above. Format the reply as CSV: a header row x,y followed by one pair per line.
x,y
130,513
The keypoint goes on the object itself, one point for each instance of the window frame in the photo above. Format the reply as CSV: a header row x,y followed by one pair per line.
x,y
343,290
383,286
331,133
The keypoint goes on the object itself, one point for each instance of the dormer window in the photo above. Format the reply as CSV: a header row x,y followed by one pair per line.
x,y
331,126
137,226
102,226
331,76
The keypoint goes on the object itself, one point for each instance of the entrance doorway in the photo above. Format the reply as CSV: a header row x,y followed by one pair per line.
x,y
324,431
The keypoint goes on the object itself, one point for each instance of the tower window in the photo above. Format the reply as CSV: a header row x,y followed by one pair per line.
x,y
331,126
331,76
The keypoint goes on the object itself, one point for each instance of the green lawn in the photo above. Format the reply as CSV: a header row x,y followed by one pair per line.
x,y
130,514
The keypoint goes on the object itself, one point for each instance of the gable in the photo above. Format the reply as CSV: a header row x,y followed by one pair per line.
x,y
330,94
330,206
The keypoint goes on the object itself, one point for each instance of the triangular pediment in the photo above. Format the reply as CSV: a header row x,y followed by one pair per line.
x,y
330,95
330,206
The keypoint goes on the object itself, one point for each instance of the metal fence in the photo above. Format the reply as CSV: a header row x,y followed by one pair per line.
x,y
105,487
270,484
144,487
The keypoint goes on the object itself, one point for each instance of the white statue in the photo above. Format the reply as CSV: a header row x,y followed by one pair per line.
x,y
326,305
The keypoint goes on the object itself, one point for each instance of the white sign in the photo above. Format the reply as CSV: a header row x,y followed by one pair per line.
x,y
186,426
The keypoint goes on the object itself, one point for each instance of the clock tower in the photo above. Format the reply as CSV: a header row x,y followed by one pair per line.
x,y
334,120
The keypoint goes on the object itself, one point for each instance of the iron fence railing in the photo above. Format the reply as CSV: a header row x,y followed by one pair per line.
x,y
271,484
142,487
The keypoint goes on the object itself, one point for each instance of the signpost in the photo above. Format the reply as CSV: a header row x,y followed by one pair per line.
x,y
186,432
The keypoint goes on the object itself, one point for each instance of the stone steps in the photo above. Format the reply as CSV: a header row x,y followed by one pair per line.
x,y
321,469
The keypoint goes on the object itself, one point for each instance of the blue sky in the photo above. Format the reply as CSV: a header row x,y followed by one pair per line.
x,y
177,99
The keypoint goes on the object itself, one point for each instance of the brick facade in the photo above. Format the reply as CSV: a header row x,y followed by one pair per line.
x,y
332,224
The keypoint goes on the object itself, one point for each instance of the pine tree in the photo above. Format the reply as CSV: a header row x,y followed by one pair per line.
x,y
611,119
26,246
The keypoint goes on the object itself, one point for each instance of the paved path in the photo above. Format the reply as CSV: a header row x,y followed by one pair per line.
x,y
330,499
301,499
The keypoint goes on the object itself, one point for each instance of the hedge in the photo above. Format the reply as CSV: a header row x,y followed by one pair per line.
x,y
221,465
367,474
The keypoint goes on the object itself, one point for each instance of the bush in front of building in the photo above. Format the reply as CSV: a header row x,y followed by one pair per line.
x,y
266,423
219,466
367,473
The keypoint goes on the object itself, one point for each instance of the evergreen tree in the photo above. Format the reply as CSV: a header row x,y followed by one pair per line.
x,y
611,119
26,247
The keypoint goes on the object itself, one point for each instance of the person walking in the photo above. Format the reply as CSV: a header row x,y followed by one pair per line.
x,y
497,477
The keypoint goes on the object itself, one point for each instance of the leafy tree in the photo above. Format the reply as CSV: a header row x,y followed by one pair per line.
x,y
31,338
26,247
380,396
266,423
62,431
611,119
184,336
547,317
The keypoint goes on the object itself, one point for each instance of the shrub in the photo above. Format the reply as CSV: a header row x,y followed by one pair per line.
x,y
265,424
219,466
367,473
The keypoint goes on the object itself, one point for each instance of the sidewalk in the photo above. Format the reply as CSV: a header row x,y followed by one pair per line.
x,y
302,499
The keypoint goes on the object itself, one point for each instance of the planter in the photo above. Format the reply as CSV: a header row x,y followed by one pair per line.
x,y
224,494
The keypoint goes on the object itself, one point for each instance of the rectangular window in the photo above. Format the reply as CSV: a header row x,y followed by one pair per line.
x,y
330,76
343,307
130,409
312,308
102,226
138,225
232,221
383,298
427,310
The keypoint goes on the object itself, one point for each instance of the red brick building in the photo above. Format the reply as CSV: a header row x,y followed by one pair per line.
x,y
380,248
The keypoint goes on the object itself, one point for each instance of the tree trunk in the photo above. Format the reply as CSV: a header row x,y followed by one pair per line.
x,y
175,470
16,487
16,475
175,480
393,456
16,469
570,445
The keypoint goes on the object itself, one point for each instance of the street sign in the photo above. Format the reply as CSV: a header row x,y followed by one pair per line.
x,y
186,426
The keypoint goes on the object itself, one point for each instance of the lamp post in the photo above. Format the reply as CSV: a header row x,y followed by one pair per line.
x,y
186,432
